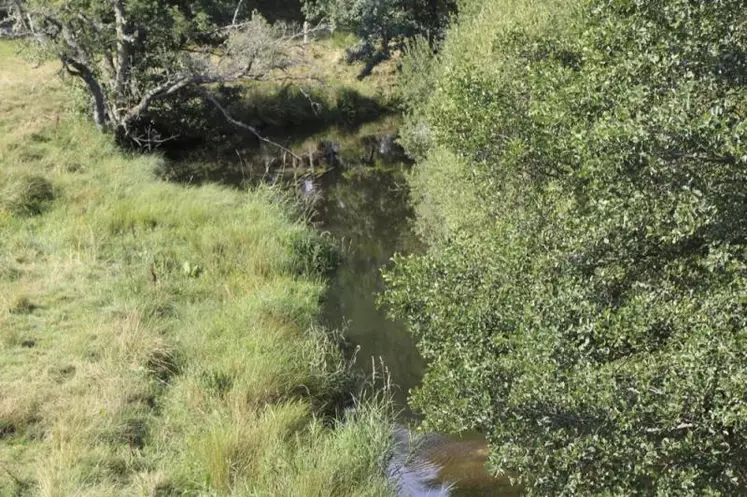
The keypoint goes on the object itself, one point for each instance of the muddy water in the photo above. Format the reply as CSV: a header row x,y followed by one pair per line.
x,y
368,209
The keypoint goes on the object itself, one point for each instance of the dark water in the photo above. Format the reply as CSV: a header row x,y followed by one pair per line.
x,y
368,210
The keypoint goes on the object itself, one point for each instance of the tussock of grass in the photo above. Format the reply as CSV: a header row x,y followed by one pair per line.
x,y
159,339
26,195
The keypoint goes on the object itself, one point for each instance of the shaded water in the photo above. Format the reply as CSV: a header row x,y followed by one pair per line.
x,y
360,197
368,209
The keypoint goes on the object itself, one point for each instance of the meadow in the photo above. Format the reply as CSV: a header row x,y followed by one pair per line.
x,y
160,339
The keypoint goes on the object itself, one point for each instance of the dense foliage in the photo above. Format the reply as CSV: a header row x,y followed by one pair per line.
x,y
583,187
383,25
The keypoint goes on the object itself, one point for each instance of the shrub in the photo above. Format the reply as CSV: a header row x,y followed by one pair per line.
x,y
582,301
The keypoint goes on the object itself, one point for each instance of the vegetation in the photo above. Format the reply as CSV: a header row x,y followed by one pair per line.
x,y
138,59
383,26
159,339
581,186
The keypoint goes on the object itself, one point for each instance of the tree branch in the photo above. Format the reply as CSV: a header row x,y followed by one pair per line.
x,y
21,18
236,13
81,70
242,125
124,50
161,91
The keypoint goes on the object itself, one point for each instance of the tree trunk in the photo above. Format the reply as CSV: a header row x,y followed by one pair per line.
x,y
124,50
99,102
100,114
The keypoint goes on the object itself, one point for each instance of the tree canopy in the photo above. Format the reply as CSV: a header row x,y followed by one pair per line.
x,y
133,55
583,188
383,25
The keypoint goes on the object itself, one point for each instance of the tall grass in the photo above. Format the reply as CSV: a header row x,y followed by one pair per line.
x,y
158,339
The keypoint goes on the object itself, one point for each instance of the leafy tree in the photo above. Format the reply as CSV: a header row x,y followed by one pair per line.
x,y
382,25
584,191
134,55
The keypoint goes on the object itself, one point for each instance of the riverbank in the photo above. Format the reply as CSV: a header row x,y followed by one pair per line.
x,y
158,339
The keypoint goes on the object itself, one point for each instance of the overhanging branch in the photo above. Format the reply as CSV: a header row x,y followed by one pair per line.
x,y
210,98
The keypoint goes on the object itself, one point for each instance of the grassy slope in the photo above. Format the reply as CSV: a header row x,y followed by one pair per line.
x,y
204,382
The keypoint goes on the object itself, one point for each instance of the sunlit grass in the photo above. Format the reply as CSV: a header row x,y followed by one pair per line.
x,y
158,339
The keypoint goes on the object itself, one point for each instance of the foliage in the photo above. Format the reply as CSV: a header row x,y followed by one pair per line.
x,y
417,73
379,24
583,192
158,339
137,58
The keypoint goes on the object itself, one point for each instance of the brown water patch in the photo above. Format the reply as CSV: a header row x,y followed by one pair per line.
x,y
434,465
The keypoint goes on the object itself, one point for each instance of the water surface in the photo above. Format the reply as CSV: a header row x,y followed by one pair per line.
x,y
368,210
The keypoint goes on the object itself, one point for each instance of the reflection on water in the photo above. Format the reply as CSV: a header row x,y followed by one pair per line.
x,y
369,210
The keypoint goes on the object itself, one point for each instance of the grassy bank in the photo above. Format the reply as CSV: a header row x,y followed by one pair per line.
x,y
157,339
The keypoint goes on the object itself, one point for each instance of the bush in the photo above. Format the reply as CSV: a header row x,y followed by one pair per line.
x,y
582,301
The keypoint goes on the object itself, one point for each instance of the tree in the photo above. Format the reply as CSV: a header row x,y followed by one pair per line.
x,y
584,192
12,18
132,55
383,25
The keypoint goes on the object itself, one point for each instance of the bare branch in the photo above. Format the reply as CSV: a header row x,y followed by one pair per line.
x,y
242,125
164,90
320,27
315,106
236,13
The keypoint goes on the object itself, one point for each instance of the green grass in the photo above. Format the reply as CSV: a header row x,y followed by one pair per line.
x,y
158,339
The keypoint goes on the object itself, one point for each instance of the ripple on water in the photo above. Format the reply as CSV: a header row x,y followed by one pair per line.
x,y
434,465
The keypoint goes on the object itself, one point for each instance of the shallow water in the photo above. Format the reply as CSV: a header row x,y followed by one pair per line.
x,y
434,465
368,209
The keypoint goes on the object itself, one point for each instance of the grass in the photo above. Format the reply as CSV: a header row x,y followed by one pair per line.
x,y
159,339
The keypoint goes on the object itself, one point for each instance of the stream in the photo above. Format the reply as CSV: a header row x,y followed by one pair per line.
x,y
367,209
355,184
